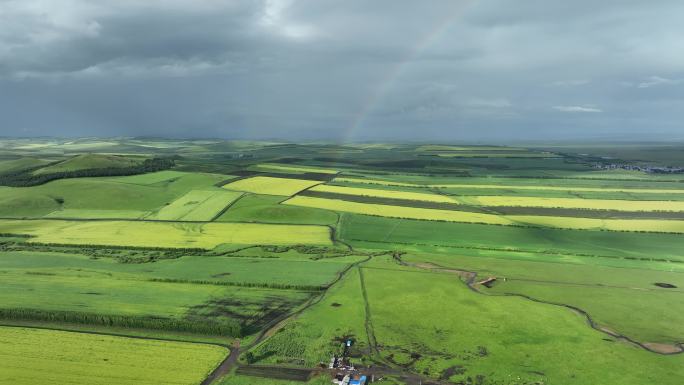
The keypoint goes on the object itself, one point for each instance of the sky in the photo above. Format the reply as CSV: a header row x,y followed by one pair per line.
x,y
456,70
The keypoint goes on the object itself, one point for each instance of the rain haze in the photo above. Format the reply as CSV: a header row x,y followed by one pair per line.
x,y
488,70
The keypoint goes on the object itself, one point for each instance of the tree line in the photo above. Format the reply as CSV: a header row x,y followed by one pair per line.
x,y
223,327
27,178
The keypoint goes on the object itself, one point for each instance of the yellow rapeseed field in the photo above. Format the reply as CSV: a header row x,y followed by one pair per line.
x,y
574,203
38,356
164,234
197,205
647,225
561,188
396,211
271,186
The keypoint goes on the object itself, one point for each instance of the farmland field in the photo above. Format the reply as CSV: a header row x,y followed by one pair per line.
x,y
270,185
197,205
576,203
383,193
31,356
156,234
438,263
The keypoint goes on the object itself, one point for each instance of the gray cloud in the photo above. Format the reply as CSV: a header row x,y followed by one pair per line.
x,y
454,70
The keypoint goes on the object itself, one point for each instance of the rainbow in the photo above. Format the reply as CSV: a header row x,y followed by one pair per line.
x,y
386,82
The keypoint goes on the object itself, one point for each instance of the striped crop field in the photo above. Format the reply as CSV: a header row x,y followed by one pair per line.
x,y
375,181
640,225
573,203
397,211
575,223
303,169
271,185
553,188
497,154
38,356
393,194
160,234
197,205
442,147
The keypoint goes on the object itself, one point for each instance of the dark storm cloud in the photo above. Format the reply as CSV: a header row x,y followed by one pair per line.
x,y
455,70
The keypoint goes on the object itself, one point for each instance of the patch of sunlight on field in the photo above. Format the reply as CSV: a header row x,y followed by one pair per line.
x,y
160,234
574,203
197,205
38,356
271,185
393,194
397,211
297,168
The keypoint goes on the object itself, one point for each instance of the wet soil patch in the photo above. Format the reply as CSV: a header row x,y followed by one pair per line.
x,y
451,371
281,373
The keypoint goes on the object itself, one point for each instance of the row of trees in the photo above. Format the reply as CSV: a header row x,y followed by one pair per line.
x,y
221,326
26,178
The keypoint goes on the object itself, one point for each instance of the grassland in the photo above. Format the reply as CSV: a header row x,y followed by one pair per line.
x,y
270,185
608,291
388,232
317,334
267,209
496,154
158,234
496,338
34,356
14,165
148,192
197,205
89,161
296,169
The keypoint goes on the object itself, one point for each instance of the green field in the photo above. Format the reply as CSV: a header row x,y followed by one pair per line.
x,y
383,193
443,263
89,161
501,338
197,205
267,209
574,223
34,356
